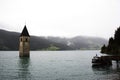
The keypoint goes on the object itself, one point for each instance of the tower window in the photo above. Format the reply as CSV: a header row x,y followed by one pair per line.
x,y
21,39
26,39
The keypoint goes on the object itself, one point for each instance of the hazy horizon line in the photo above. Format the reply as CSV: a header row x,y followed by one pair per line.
x,y
87,36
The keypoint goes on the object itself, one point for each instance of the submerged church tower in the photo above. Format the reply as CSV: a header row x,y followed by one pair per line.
x,y
24,45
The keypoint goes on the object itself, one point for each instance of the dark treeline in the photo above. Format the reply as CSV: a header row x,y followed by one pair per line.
x,y
113,46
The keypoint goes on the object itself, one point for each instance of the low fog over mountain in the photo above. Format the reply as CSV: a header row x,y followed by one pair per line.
x,y
10,41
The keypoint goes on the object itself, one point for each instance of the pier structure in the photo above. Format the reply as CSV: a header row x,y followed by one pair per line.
x,y
104,60
110,58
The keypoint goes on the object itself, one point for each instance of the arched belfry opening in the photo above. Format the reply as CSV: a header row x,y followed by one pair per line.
x,y
24,43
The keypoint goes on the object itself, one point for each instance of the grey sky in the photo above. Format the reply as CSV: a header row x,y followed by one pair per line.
x,y
66,18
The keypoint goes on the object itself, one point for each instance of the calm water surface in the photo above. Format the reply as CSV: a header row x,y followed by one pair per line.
x,y
54,65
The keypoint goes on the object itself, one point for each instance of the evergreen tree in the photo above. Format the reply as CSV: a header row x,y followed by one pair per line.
x,y
117,36
103,49
111,41
113,45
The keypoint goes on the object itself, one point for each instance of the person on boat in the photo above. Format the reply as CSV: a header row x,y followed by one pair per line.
x,y
96,55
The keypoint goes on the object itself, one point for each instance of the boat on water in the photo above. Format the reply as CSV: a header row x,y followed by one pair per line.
x,y
96,60
99,61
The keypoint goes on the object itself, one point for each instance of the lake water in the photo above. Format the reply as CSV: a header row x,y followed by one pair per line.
x,y
54,65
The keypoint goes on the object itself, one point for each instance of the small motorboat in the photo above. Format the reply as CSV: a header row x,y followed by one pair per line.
x,y
99,61
96,61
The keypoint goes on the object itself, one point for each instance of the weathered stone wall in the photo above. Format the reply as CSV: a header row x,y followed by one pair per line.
x,y
24,46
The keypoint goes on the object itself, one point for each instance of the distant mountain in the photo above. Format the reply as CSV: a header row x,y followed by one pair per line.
x,y
10,41
80,42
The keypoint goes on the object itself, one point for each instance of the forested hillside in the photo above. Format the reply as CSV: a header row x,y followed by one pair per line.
x,y
10,41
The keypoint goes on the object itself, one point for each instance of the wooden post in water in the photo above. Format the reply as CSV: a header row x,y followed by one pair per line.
x,y
24,45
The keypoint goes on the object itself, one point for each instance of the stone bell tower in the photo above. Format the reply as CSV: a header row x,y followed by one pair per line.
x,y
24,45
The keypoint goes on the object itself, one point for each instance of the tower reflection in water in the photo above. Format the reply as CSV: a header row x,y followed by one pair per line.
x,y
24,71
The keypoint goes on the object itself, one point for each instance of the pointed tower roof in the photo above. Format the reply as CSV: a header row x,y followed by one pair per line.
x,y
25,32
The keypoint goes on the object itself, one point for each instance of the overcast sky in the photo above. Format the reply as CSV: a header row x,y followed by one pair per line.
x,y
66,18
